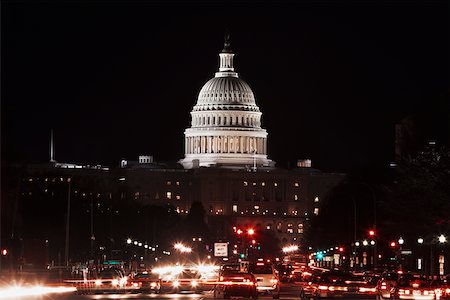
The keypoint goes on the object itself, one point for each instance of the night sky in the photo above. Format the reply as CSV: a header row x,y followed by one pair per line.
x,y
118,79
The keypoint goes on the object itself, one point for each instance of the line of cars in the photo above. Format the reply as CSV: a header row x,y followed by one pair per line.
x,y
173,279
389,285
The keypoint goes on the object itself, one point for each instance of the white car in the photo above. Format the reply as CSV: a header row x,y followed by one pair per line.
x,y
266,278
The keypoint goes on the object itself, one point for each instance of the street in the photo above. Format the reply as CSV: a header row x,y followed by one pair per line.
x,y
288,292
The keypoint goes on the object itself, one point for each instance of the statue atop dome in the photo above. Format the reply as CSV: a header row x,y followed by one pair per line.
x,y
227,44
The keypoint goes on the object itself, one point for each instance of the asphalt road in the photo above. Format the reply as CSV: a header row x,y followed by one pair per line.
x,y
288,292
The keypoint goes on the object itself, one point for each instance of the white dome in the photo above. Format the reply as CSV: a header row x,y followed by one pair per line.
x,y
226,93
226,123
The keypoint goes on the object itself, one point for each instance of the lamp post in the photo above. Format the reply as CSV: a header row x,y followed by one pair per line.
x,y
66,251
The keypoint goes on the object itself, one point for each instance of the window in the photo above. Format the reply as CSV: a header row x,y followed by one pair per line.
x,y
300,228
296,197
245,183
169,195
178,197
289,228
263,183
275,184
168,183
279,226
235,208
296,184
316,211
254,183
316,199
269,226
256,207
177,183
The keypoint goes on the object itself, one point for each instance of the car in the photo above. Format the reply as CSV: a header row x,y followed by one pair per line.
x,y
386,284
444,287
189,279
341,284
412,286
266,277
235,283
110,280
146,282
285,272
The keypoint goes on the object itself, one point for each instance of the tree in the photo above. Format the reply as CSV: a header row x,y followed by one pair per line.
x,y
420,195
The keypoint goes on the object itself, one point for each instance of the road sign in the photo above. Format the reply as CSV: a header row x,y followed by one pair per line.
x,y
221,249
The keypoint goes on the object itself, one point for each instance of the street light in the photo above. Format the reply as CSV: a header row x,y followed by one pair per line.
x,y
442,239
129,241
420,240
401,241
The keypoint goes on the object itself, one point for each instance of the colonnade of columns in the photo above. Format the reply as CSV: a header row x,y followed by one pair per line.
x,y
225,144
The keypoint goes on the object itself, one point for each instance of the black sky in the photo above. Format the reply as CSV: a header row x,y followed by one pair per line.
x,y
119,79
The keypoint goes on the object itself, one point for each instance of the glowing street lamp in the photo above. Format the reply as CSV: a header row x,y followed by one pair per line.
x,y
401,241
420,240
442,239
129,241
251,231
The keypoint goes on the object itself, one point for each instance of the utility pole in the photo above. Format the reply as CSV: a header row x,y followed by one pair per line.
x,y
66,252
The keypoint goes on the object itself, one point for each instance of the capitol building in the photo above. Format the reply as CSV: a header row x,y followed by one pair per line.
x,y
226,167
226,122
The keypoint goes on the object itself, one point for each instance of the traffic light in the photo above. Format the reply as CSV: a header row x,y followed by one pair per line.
x,y
372,232
319,256
341,249
4,252
259,247
393,244
253,242
242,255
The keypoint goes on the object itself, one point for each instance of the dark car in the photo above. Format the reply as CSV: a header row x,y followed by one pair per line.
x,y
285,272
341,284
411,286
234,283
386,284
146,282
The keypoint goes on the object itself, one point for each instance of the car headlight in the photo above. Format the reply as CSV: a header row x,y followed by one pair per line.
x,y
194,283
98,282
176,283
115,282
